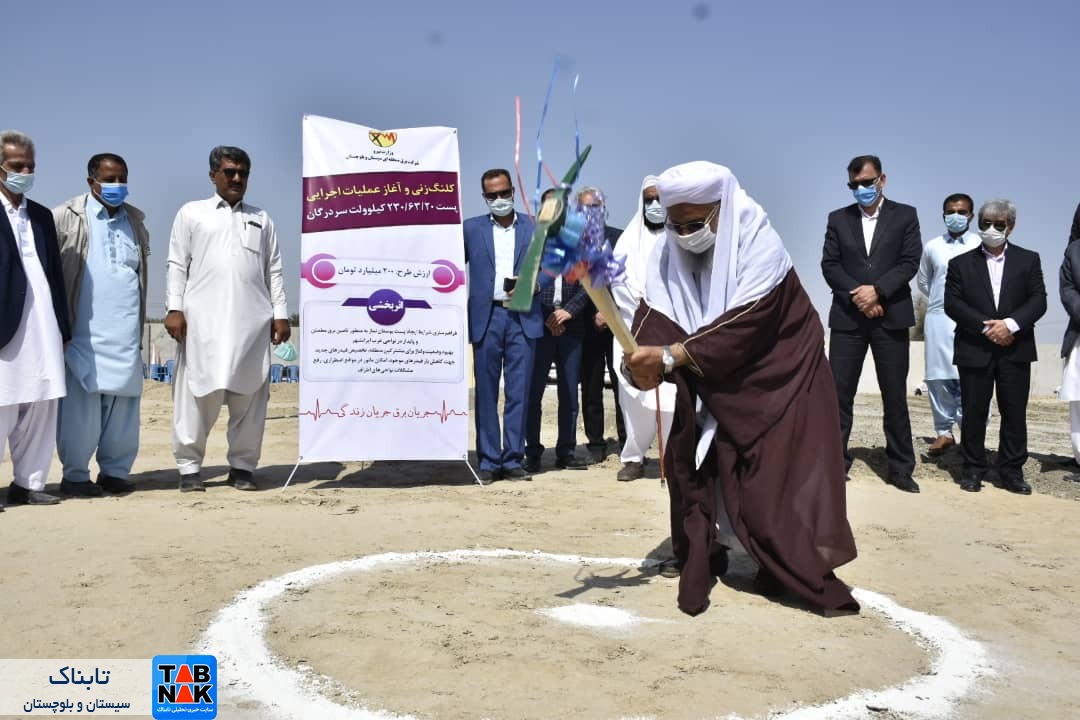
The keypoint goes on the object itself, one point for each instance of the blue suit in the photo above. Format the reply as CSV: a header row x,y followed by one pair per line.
x,y
503,346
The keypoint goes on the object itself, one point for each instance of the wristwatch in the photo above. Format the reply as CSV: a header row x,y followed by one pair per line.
x,y
668,359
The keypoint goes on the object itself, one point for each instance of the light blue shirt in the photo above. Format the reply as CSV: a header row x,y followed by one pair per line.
x,y
938,328
104,350
935,265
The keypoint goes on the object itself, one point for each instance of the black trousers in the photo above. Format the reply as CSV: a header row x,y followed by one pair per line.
x,y
847,351
1012,380
596,357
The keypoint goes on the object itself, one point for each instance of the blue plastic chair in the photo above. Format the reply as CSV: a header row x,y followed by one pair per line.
x,y
170,367
155,372
292,372
277,370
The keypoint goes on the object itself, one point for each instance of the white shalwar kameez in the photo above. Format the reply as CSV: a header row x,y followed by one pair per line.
x,y
225,276
31,367
635,246
942,377
1070,391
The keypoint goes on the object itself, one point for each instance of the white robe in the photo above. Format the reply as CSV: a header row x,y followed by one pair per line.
x,y
636,246
32,362
225,275
747,262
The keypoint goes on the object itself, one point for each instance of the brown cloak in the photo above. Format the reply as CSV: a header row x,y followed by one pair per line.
x,y
777,455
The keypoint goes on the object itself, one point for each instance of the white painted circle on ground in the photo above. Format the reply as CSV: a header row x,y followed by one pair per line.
x,y
249,673
600,617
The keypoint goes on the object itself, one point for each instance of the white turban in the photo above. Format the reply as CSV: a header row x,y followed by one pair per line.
x,y
748,259
697,183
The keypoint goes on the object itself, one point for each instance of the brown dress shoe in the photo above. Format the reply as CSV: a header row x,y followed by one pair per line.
x,y
943,443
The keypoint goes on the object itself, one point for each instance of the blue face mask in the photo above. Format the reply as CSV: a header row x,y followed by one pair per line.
x,y
19,183
957,223
114,194
865,196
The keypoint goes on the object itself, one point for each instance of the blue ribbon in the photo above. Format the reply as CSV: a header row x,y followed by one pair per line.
x,y
540,129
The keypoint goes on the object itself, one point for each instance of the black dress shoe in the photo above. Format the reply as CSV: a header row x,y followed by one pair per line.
x,y
241,479
192,483
971,482
487,477
17,495
84,489
571,462
532,465
517,473
904,482
1015,484
115,485
670,568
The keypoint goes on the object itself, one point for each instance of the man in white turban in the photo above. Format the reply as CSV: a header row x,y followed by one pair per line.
x,y
639,407
755,438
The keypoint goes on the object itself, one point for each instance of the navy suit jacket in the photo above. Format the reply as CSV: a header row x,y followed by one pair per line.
x,y
969,300
480,256
890,265
13,285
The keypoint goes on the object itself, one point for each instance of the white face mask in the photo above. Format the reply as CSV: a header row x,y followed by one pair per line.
x,y
501,207
697,242
992,237
655,212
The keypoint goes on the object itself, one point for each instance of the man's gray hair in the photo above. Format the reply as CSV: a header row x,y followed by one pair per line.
x,y
999,206
16,138
594,191
228,152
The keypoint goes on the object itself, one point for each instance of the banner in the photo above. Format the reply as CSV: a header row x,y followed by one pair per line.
x,y
382,295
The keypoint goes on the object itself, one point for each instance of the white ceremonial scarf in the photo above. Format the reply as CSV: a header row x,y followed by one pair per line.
x,y
748,259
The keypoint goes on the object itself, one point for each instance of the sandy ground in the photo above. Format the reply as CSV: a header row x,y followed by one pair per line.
x,y
145,574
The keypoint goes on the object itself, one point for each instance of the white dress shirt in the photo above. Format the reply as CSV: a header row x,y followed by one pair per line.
x,y
505,239
224,274
995,265
32,363
869,224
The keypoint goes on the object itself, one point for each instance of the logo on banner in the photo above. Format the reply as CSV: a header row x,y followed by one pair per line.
x,y
382,139
184,685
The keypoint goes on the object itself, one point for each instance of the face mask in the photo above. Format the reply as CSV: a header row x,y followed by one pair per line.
x,y
655,212
286,351
992,237
19,183
501,207
114,193
697,242
865,196
956,223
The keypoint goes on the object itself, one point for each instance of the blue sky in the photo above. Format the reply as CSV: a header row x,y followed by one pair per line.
x,y
976,97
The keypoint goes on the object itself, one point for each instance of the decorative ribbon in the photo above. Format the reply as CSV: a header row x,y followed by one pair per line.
x,y
517,156
540,129
580,248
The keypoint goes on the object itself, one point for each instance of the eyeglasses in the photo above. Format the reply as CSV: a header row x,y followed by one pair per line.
x,y
689,228
1000,226
865,183
500,194
233,172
